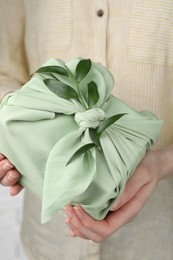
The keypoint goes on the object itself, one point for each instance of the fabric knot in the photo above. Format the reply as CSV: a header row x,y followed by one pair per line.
x,y
90,118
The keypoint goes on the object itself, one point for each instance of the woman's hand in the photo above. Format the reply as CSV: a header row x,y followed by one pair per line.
x,y
138,190
9,176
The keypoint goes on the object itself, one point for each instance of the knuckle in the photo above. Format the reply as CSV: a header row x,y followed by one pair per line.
x,y
13,175
98,239
5,166
5,183
9,179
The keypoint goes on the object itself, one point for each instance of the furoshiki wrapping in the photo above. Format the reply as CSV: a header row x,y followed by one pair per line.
x,y
65,148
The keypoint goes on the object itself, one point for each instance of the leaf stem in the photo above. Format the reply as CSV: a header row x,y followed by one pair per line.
x,y
71,76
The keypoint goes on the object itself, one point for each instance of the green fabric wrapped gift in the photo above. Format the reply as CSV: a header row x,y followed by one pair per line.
x,y
71,140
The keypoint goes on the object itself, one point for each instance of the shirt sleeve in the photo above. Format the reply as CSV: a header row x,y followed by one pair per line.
x,y
13,62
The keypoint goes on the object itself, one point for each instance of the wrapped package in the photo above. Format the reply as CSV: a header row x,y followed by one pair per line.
x,y
72,141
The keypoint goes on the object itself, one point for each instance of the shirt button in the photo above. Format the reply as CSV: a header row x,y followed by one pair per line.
x,y
100,13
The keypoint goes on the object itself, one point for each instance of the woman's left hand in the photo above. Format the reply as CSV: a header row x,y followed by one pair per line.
x,y
138,190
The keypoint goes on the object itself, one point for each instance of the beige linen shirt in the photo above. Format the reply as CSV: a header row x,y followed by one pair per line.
x,y
134,39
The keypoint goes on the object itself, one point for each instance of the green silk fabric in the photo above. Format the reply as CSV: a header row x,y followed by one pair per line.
x,y
40,131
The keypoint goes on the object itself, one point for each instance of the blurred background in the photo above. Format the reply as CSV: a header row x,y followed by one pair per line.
x,y
10,221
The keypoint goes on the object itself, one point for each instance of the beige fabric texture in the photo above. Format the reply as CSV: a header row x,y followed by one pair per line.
x,y
134,40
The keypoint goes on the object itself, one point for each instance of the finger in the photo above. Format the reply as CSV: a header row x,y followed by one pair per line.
x,y
87,224
78,228
5,166
10,178
15,189
72,218
73,231
134,184
69,214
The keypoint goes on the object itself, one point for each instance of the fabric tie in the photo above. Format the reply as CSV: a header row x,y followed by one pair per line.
x,y
90,118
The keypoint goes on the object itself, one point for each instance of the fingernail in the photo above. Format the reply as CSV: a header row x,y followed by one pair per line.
x,y
7,166
12,176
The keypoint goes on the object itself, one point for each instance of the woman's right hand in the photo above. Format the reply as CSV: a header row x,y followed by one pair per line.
x,y
9,176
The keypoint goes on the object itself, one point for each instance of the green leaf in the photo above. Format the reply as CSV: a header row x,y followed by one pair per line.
x,y
53,69
93,94
80,151
82,69
94,137
60,89
108,122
